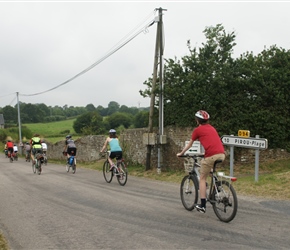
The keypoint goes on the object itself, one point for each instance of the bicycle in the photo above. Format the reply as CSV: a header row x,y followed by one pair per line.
x,y
36,164
15,156
119,170
10,156
71,163
220,194
44,158
27,156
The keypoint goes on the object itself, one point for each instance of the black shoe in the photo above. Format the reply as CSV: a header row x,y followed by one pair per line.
x,y
201,209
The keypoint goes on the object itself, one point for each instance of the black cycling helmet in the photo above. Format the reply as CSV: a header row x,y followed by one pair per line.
x,y
68,136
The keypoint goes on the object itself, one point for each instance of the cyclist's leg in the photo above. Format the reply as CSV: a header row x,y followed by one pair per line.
x,y
119,157
10,150
68,154
32,155
110,159
206,166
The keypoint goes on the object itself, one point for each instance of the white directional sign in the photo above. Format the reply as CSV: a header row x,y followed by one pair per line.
x,y
255,143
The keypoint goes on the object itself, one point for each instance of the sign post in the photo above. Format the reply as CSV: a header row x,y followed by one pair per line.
x,y
244,141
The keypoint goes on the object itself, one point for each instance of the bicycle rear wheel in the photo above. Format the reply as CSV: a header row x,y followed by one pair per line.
x,y
189,192
74,166
45,160
33,167
108,175
67,166
123,174
225,204
38,164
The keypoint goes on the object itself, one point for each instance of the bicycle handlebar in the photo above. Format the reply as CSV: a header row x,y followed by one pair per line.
x,y
192,156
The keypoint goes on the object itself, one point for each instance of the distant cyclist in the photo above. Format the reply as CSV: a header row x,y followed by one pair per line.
x,y
70,147
115,148
15,148
10,146
6,150
27,149
35,144
44,147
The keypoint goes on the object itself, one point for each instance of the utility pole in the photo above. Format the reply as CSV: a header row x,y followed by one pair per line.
x,y
152,100
161,112
19,126
158,54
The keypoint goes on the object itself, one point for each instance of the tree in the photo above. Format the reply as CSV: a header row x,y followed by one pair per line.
x,y
113,107
35,113
90,108
44,108
101,110
141,119
89,123
118,119
250,92
10,114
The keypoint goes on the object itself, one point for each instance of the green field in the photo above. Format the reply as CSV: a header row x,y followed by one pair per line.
x,y
52,131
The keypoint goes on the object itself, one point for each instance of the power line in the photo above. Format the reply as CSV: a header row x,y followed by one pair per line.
x,y
113,50
8,94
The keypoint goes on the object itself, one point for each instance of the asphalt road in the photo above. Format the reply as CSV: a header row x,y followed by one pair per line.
x,y
59,210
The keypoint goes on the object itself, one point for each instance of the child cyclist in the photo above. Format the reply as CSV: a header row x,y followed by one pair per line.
x,y
115,148
214,150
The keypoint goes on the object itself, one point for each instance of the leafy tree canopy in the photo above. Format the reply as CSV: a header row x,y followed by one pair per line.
x,y
249,92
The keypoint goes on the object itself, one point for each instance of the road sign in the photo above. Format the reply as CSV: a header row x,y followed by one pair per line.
x,y
196,148
255,143
244,133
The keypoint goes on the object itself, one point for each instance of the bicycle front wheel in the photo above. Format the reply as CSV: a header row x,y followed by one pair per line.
x,y
123,174
108,175
225,204
189,192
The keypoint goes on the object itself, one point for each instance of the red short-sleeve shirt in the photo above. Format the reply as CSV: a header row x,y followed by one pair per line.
x,y
209,139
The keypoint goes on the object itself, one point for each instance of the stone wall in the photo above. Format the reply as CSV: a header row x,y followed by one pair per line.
x,y
88,148
135,151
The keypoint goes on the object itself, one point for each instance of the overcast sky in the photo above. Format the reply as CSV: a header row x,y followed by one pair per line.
x,y
46,43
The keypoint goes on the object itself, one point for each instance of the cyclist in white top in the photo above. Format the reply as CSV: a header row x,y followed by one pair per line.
x,y
115,148
15,148
44,147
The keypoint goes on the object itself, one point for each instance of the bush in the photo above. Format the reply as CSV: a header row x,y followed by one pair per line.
x,y
3,135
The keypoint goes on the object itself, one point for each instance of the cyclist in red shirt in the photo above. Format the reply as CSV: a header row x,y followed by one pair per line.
x,y
9,145
214,150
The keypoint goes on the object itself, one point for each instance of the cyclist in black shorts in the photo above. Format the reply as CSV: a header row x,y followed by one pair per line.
x,y
115,148
70,147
